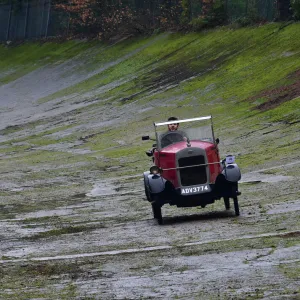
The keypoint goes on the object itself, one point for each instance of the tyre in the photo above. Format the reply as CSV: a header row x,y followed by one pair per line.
x,y
156,209
236,206
227,203
147,193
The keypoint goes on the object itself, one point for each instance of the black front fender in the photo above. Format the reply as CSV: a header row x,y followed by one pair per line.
x,y
154,182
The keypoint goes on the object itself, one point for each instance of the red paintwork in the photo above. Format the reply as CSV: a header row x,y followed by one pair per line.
x,y
166,159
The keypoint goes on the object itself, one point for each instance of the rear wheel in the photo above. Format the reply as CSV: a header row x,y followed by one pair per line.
x,y
227,203
236,206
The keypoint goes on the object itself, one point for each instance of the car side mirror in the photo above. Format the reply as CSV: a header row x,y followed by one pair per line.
x,y
145,138
217,141
149,153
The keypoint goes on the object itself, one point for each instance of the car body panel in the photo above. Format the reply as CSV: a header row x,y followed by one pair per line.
x,y
167,160
191,173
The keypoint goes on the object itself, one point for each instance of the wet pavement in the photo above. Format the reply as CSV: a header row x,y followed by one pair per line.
x,y
73,226
242,256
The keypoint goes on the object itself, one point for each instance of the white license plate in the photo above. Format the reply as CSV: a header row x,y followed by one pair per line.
x,y
195,189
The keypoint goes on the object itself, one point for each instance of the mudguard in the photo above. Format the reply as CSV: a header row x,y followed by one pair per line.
x,y
154,182
232,172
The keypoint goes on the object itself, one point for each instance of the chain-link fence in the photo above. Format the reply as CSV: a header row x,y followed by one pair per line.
x,y
25,19
31,19
265,10
5,15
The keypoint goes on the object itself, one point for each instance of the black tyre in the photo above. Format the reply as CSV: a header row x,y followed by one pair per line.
x,y
227,203
236,206
147,193
156,209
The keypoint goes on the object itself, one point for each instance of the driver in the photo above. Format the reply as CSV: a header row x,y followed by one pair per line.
x,y
173,126
173,135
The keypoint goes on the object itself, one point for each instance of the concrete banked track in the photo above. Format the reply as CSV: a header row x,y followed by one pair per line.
x,y
74,223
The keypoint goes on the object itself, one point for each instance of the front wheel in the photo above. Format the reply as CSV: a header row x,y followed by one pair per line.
x,y
236,206
156,209
147,193
227,203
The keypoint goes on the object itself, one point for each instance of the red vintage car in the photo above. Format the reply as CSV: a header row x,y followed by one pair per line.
x,y
187,169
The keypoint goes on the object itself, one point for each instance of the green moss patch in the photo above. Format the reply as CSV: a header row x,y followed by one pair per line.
x,y
25,58
276,96
63,230
242,244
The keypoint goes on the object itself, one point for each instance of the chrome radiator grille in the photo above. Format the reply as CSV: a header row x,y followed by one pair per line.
x,y
192,175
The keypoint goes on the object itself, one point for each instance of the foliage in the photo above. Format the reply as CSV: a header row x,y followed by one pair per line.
x,y
198,23
81,13
169,15
107,20
249,15
295,4
212,14
117,18
186,12
244,21
214,11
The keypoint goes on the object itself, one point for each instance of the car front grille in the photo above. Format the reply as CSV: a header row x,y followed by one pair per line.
x,y
192,175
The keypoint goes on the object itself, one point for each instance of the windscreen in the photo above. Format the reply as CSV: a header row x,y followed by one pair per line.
x,y
203,133
168,134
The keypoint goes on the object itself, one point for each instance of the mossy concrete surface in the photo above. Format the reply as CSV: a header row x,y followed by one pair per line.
x,y
73,220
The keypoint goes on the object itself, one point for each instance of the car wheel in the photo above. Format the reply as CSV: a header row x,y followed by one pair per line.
x,y
147,193
156,209
227,203
236,206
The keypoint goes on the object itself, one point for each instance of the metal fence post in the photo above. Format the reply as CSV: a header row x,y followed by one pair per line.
x,y
9,20
26,20
48,17
68,27
42,17
226,10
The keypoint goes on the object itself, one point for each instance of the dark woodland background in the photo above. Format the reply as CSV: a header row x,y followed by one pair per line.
x,y
104,19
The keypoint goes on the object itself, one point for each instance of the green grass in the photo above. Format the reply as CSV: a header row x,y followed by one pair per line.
x,y
241,244
231,66
25,58
291,272
287,112
64,230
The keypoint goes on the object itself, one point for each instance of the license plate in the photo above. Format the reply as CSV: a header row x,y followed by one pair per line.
x,y
195,189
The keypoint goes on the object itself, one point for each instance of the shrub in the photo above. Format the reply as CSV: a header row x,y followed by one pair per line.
x,y
186,12
198,23
213,14
295,4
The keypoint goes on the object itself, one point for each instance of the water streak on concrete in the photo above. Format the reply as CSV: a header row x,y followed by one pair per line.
x,y
145,249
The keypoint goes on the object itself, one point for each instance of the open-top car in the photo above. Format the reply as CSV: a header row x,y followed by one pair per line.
x,y
187,169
